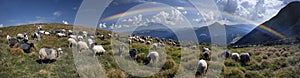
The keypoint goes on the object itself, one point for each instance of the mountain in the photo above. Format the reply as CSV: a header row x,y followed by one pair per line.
x,y
286,22
155,30
233,32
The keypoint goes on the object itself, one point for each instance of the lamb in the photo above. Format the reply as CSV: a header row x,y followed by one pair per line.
x,y
235,56
20,36
244,58
152,56
82,46
202,67
97,49
72,42
49,54
132,53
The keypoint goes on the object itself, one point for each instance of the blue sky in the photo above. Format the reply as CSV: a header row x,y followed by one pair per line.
x,y
18,12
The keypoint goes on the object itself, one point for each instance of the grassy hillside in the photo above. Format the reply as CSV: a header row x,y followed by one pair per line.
x,y
266,61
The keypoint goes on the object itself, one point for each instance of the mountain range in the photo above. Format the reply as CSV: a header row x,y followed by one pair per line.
x,y
285,25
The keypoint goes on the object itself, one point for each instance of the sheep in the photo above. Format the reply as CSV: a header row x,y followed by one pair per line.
x,y
47,33
42,32
194,47
12,42
49,54
61,34
102,37
244,58
25,46
148,42
202,67
206,55
235,56
25,38
90,42
34,35
129,41
226,54
20,36
8,37
73,36
82,46
132,53
205,49
154,46
80,38
97,49
161,44
152,56
72,42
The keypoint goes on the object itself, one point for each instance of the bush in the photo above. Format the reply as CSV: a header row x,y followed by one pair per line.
x,y
252,74
233,73
116,73
230,62
169,64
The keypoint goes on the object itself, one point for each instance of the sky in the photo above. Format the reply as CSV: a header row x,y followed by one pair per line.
x,y
18,12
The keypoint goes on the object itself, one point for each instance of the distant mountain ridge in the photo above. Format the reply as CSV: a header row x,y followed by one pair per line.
x,y
286,22
158,30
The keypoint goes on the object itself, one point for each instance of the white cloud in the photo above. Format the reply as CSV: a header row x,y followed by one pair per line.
x,y
57,13
180,8
1,25
256,10
65,22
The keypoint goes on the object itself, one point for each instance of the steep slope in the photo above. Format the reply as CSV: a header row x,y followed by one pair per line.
x,y
286,22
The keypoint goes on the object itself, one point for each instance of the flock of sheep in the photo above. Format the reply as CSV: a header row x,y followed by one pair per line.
x,y
85,41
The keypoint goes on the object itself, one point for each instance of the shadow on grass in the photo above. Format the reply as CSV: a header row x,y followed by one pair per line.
x,y
47,61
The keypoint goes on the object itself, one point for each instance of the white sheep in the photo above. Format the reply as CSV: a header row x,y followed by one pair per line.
x,y
148,42
72,42
154,46
49,54
152,56
205,49
90,42
98,49
73,36
20,36
61,34
80,37
235,56
82,46
42,32
202,67
47,33
8,37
